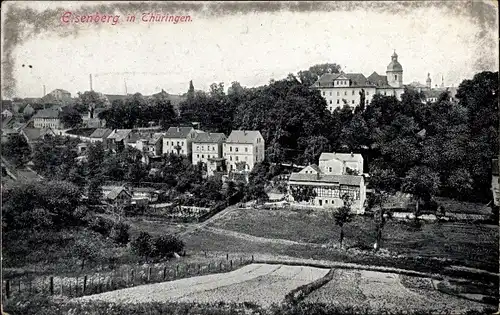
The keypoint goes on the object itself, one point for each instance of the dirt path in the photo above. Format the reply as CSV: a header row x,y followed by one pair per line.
x,y
203,224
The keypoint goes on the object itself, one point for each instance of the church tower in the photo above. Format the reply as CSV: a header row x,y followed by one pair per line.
x,y
428,82
395,72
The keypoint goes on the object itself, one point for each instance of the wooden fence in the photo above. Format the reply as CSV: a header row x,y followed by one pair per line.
x,y
99,283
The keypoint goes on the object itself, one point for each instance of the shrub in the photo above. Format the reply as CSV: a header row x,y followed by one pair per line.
x,y
101,225
167,245
143,245
120,233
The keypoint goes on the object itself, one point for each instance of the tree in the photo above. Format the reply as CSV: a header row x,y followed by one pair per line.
x,y
87,248
120,233
190,93
343,215
16,149
143,245
423,183
70,117
167,245
302,193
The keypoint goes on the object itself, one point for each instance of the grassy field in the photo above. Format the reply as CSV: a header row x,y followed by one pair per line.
x,y
466,244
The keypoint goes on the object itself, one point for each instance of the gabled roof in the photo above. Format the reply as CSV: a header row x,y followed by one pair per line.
x,y
6,121
178,132
6,112
208,137
312,166
244,136
347,157
356,79
119,134
101,133
351,180
378,80
61,90
115,192
47,113
34,134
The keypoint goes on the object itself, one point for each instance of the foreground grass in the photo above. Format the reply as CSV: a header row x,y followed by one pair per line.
x,y
473,245
45,306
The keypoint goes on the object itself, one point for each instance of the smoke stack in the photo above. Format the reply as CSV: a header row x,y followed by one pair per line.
x,y
90,81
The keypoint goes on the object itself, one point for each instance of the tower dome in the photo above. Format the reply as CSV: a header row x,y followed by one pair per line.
x,y
395,72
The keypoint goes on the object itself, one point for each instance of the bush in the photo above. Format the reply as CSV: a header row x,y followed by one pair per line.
x,y
120,233
167,245
143,245
101,225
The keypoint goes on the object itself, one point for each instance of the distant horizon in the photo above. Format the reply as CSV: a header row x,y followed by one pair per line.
x,y
454,40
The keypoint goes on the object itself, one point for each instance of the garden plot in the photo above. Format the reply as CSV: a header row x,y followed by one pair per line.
x,y
257,283
386,291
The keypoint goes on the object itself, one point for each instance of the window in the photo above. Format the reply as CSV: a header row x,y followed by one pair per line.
x,y
236,159
236,149
330,93
177,142
326,201
197,155
338,93
385,93
331,109
330,169
246,149
202,148
230,158
330,101
246,158
172,143
324,93
395,77
213,148
338,101
345,93
367,93
230,149
202,156
197,147
353,101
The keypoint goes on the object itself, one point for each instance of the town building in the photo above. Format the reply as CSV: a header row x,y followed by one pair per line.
x,y
178,140
100,135
6,113
119,138
59,95
336,175
47,118
339,89
36,135
495,183
151,144
243,149
432,94
91,118
207,145
117,195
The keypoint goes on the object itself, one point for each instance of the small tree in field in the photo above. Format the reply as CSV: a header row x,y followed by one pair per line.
x,y
120,233
143,245
167,245
343,215
87,249
381,214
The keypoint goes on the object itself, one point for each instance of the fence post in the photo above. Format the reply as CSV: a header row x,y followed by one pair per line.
x,y
84,284
252,258
51,285
231,264
69,280
220,266
132,276
76,286
7,288
164,273
176,271
149,274
241,260
227,256
199,269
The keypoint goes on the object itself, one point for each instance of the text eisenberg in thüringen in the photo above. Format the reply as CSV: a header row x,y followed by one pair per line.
x,y
160,17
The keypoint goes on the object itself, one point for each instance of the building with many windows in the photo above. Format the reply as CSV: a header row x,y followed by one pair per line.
x,y
336,175
339,89
47,118
243,149
178,140
207,145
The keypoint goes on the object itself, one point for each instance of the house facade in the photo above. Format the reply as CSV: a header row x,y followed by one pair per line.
x,y
207,146
243,149
47,118
178,140
341,163
119,138
151,144
339,89
35,135
100,135
60,95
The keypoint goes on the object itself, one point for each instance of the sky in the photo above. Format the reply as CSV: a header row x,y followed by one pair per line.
x,y
249,48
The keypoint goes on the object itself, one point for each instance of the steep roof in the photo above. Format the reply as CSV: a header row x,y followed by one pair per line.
x,y
119,134
208,137
178,132
47,113
378,80
101,133
357,80
243,136
350,180
115,192
347,157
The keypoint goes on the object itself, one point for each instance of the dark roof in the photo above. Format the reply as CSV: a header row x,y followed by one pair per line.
x,y
378,80
47,113
350,180
34,133
356,79
494,167
243,136
101,133
114,193
119,134
208,137
178,132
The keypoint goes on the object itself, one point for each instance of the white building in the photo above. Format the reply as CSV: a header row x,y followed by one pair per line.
x,y
47,118
178,140
243,149
341,163
339,89
206,146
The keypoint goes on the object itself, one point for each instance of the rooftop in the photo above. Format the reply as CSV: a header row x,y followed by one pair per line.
x,y
101,133
208,137
178,132
119,134
350,180
47,113
243,136
348,157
